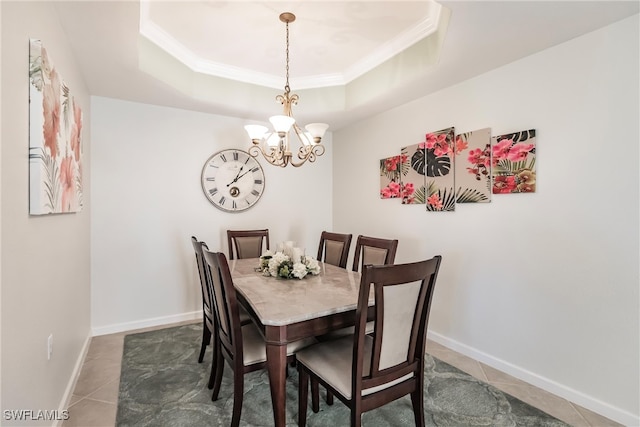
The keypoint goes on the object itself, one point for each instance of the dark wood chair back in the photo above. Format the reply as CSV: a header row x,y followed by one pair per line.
x,y
208,322
227,310
375,251
247,243
400,335
334,248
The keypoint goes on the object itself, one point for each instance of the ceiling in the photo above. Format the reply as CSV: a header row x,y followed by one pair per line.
x,y
348,59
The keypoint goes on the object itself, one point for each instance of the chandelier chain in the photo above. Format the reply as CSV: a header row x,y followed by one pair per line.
x,y
286,85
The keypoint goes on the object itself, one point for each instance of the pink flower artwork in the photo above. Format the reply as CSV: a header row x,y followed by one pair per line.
x,y
440,150
55,139
513,162
473,166
390,178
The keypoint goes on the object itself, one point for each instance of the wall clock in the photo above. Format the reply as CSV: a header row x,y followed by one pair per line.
x,y
232,180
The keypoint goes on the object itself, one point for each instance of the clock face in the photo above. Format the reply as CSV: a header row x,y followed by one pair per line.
x,y
232,180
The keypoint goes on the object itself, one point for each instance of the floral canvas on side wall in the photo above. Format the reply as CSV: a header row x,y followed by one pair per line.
x,y
514,162
439,170
412,170
55,152
473,166
390,178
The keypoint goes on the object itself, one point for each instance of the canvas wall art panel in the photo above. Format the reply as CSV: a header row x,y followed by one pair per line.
x,y
514,162
412,169
55,149
390,178
439,170
473,166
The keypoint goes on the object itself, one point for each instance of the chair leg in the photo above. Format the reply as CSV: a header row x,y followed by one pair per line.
x,y
214,361
218,378
418,407
329,398
356,418
206,338
303,390
315,395
238,392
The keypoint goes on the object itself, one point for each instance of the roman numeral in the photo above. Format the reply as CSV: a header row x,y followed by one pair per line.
x,y
235,156
234,205
222,200
211,178
255,193
257,181
224,159
255,169
213,191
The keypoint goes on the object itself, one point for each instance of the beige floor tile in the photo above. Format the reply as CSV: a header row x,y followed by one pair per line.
x,y
464,363
108,392
91,413
545,401
106,346
74,399
96,373
595,420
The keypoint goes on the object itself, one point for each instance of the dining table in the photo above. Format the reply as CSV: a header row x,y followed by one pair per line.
x,y
288,310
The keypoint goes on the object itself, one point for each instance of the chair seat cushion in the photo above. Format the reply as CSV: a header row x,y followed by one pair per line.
x,y
332,361
254,347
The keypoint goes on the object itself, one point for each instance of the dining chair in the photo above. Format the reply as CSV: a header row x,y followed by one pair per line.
x,y
369,371
334,248
369,250
208,321
247,243
242,346
372,250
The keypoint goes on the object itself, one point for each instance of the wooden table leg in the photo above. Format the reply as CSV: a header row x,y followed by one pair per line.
x,y
277,369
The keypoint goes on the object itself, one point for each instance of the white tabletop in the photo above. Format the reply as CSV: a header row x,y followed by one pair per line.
x,y
281,302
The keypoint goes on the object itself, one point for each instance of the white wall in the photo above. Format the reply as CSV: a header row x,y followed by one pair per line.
x,y
45,259
148,202
544,285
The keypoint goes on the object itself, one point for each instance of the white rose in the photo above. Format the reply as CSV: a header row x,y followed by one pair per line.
x,y
299,270
273,266
313,265
267,253
279,257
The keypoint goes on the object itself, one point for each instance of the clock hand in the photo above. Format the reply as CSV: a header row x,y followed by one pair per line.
x,y
237,176
243,175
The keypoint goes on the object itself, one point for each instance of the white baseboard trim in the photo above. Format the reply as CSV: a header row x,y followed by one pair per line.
x,y
577,397
146,323
75,374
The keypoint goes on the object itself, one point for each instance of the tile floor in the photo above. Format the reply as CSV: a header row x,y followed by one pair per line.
x,y
95,398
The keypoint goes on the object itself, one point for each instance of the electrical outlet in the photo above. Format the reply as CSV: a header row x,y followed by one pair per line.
x,y
50,347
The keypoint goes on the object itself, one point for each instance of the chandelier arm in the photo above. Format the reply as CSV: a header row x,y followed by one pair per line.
x,y
278,156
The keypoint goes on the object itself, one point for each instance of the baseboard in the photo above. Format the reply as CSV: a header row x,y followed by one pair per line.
x,y
75,374
146,323
577,397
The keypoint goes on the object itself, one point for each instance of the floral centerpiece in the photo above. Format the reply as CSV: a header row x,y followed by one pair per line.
x,y
285,266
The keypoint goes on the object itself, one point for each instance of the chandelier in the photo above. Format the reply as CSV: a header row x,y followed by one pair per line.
x,y
275,145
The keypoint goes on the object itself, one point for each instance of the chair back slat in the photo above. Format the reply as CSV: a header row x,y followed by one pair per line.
x,y
247,243
400,304
334,248
375,251
249,247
